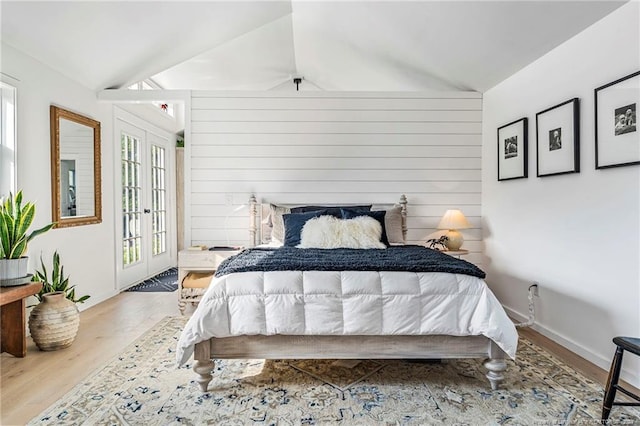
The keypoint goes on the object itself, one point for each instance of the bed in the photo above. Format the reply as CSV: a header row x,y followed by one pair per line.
x,y
305,302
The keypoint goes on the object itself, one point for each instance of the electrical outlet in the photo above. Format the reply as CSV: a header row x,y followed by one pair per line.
x,y
535,289
228,199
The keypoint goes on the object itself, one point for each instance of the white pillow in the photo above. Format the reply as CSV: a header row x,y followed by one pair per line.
x,y
276,222
327,232
393,225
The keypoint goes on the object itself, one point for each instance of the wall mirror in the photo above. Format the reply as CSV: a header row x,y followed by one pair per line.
x,y
76,193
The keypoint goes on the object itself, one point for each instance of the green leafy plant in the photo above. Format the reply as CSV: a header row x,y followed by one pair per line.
x,y
15,220
58,281
438,244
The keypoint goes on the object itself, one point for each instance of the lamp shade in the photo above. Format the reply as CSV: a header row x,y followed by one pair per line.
x,y
453,219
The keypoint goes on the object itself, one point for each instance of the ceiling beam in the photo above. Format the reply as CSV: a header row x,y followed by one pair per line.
x,y
142,96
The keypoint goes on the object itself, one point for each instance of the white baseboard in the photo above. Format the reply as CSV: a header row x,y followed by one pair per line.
x,y
598,360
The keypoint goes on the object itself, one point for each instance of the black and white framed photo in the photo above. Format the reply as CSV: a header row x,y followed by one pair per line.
x,y
512,150
558,139
617,133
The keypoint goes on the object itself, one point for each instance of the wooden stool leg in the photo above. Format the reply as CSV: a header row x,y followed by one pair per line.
x,y
612,381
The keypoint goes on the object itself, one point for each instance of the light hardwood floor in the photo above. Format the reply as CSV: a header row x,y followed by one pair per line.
x,y
31,384
580,364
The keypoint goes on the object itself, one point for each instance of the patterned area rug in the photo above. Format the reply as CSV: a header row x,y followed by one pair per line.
x,y
142,386
341,374
164,281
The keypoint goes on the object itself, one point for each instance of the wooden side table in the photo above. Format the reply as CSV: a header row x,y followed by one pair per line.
x,y
197,261
13,317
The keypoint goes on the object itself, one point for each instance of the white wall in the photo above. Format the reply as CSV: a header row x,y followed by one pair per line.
x,y
151,114
577,234
87,252
329,147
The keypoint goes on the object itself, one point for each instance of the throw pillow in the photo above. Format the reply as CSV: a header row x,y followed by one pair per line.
x,y
328,232
293,223
377,215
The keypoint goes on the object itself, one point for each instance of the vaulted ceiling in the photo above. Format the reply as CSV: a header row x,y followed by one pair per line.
x,y
262,45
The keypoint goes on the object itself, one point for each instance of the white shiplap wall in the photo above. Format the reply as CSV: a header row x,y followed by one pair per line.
x,y
324,147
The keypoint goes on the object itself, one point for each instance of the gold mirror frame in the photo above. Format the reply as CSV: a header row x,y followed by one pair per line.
x,y
60,221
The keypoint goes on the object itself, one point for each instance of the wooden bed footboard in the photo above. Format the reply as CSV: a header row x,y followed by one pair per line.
x,y
349,347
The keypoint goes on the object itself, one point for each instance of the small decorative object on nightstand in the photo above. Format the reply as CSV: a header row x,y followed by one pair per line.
x,y
454,220
195,271
438,244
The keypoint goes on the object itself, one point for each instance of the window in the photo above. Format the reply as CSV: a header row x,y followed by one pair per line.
x,y
149,84
7,139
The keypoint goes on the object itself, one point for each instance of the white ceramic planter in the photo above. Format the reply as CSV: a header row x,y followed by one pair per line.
x,y
13,268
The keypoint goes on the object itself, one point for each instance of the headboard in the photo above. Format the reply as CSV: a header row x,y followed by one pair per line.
x,y
260,231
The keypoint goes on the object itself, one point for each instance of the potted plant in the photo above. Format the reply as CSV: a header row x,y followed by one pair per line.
x,y
439,244
15,220
55,321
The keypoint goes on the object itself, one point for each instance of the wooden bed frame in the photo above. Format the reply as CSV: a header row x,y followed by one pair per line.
x,y
344,347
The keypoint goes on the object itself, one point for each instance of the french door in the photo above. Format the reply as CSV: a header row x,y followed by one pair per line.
x,y
145,242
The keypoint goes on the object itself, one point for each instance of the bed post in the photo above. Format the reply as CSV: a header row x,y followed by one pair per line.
x,y
203,365
253,214
403,213
496,365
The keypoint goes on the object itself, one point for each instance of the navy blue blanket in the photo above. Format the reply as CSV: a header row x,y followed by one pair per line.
x,y
395,258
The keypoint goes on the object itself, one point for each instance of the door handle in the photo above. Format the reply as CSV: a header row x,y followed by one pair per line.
x,y
146,211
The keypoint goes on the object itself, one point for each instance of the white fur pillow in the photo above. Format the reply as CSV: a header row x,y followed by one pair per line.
x,y
327,232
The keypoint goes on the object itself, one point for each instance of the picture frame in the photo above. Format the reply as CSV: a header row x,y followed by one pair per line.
x,y
513,150
617,133
558,139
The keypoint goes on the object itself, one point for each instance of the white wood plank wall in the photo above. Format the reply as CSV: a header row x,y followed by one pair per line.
x,y
328,147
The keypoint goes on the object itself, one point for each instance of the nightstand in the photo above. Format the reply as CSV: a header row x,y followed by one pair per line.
x,y
456,253
204,264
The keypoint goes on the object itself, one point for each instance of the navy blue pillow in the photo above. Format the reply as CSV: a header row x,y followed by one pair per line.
x,y
293,223
331,210
377,215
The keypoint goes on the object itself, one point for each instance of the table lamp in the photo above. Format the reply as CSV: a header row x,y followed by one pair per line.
x,y
454,220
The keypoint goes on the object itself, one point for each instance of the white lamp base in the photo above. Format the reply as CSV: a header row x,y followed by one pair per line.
x,y
455,240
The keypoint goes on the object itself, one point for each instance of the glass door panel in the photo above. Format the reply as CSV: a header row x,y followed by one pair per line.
x,y
131,194
158,201
158,204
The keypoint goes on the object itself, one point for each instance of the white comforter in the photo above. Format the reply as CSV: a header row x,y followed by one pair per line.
x,y
347,303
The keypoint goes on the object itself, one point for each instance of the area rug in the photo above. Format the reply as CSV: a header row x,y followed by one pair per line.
x,y
163,282
142,386
341,374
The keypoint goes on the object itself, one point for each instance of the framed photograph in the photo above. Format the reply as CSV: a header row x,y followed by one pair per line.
x,y
617,133
512,150
558,139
